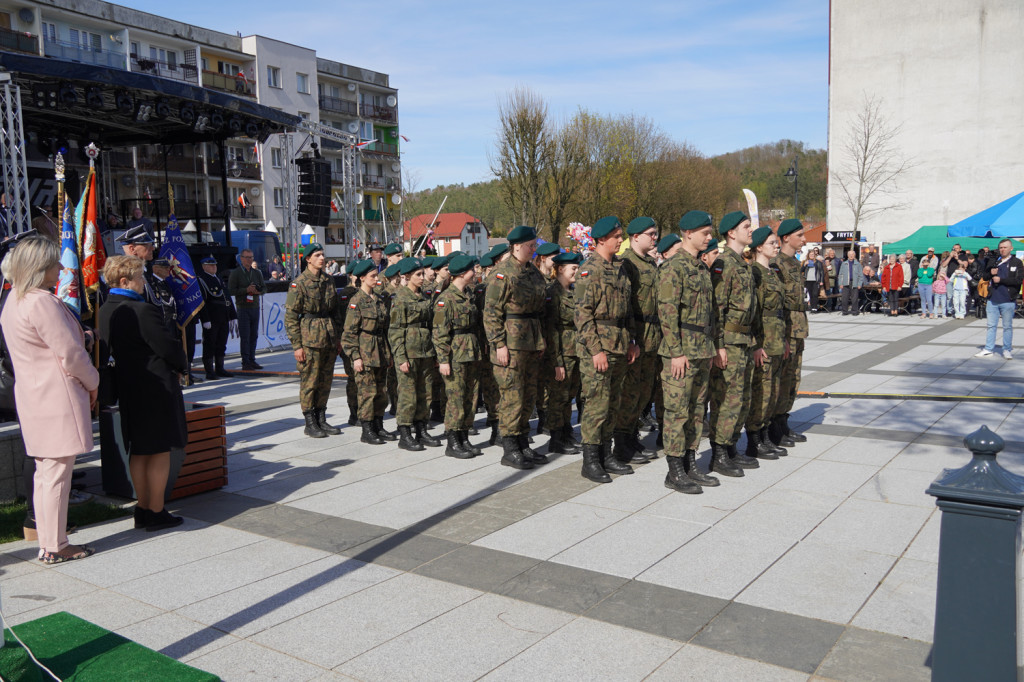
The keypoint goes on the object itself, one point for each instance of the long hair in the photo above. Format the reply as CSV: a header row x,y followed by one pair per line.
x,y
26,265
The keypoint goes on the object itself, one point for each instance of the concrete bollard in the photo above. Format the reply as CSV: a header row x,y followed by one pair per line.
x,y
977,625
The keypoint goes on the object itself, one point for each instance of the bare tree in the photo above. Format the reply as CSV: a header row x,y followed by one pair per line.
x,y
868,178
568,172
523,153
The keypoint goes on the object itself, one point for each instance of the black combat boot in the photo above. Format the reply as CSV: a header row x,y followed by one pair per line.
x,y
378,427
634,441
741,460
777,435
568,436
779,450
694,472
370,434
796,437
592,469
559,445
312,429
512,456
435,412
425,438
352,418
678,480
464,439
611,463
624,451
407,441
321,419
493,423
528,452
759,449
721,462
455,448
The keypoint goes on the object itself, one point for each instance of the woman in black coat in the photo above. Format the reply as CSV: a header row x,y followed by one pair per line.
x,y
148,361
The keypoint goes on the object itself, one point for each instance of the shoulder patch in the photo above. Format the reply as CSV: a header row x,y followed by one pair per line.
x,y
498,275
352,305
294,284
440,304
718,269
584,273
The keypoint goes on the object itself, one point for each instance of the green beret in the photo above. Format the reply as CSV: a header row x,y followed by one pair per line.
x,y
498,250
453,254
391,270
638,225
428,262
712,245
459,264
486,261
667,242
361,267
789,226
731,220
604,227
311,249
523,233
567,257
761,234
392,249
694,220
548,249
441,261
409,265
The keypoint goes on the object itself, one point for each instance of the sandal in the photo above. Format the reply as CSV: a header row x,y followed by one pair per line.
x,y
69,553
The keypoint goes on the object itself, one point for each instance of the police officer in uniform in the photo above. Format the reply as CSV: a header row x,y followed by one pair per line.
x,y
217,312
312,321
791,235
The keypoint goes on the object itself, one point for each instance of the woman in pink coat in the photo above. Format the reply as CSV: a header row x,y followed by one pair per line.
x,y
55,387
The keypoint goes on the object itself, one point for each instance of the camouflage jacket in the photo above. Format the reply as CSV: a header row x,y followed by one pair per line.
x,y
792,283
364,336
409,332
312,318
735,304
686,308
770,325
604,317
514,305
559,324
457,327
643,278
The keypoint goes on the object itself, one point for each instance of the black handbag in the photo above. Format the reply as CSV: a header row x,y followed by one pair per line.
x,y
107,393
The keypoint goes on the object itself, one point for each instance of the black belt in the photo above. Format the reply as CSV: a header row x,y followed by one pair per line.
x,y
379,332
620,323
522,316
781,314
316,317
418,325
649,319
463,330
696,328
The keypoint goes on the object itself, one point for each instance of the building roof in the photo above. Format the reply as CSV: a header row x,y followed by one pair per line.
x,y
448,224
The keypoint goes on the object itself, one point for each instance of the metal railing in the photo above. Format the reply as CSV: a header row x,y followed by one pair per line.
x,y
178,71
381,148
338,105
373,181
75,52
232,84
389,114
18,42
236,169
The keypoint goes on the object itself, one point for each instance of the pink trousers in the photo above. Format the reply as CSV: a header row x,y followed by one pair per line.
x,y
50,499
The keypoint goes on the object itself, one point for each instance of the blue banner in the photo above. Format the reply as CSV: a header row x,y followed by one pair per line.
x,y
67,286
187,294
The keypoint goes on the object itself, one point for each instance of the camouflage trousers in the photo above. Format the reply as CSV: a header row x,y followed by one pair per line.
x,y
351,392
371,384
637,389
545,375
488,387
659,401
315,377
684,405
461,386
730,396
414,391
789,376
517,385
560,395
392,385
437,391
764,392
602,392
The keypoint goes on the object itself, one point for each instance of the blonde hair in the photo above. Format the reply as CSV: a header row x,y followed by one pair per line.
x,y
121,267
26,265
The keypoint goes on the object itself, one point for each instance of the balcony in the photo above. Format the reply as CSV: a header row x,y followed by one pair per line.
x,y
379,113
236,169
18,42
254,212
381,148
371,215
74,52
372,181
225,83
338,105
337,178
179,72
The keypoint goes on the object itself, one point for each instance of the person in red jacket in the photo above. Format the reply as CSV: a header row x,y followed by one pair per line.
x,y
892,282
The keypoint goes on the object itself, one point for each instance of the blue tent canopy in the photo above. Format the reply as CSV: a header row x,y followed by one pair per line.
x,y
1005,219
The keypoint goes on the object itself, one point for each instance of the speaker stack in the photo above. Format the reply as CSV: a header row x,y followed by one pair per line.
x,y
314,191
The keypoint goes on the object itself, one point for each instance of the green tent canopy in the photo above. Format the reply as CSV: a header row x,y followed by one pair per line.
x,y
934,237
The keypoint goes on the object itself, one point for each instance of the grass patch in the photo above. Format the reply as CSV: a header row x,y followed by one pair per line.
x,y
12,516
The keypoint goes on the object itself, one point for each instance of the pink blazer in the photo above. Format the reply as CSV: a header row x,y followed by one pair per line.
x,y
52,374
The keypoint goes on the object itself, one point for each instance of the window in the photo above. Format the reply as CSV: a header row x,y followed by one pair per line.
x,y
302,82
49,32
205,64
304,115
235,154
180,193
168,57
335,91
278,197
366,131
275,157
85,40
135,49
273,76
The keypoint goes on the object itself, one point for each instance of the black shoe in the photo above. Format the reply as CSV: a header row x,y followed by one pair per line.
x,y
223,373
722,464
793,435
512,457
143,517
406,441
528,452
255,365
494,431
741,460
378,427
779,450
678,480
423,437
558,444
370,434
321,419
162,520
464,439
353,420
312,429
624,451
776,434
694,472
634,441
569,437
455,448
610,461
757,449
592,469
211,377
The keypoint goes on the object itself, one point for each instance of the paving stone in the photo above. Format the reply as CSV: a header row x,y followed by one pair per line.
x,y
831,478
477,567
247,661
177,637
787,514
404,550
701,664
864,656
561,587
872,526
468,524
925,546
658,610
332,534
552,530
899,486
360,494
416,506
863,451
105,608
904,604
216,506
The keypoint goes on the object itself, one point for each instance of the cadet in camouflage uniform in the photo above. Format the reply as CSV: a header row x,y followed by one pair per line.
x,y
515,303
442,277
458,332
642,271
312,321
668,246
351,394
364,340
391,284
605,346
770,334
489,394
412,352
791,235
543,260
560,328
734,317
686,312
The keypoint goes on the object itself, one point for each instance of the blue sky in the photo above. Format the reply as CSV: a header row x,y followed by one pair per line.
x,y
718,75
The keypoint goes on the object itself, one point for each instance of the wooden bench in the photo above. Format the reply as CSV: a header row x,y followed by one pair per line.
x,y
903,302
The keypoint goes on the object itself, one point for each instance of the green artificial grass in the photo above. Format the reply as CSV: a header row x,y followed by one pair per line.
x,y
12,516
75,649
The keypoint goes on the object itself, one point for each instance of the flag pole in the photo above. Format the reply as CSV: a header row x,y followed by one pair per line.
x,y
423,240
182,378
93,152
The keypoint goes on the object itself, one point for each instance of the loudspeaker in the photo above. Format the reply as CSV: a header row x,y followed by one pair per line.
x,y
314,191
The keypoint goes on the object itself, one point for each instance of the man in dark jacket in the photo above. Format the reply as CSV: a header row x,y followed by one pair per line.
x,y
1005,275
216,314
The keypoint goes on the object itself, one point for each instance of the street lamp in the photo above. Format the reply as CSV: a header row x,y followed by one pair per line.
x,y
794,176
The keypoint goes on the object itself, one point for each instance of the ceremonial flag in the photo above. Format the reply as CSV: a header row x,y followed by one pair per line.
x,y
334,206
364,143
67,285
184,285
91,254
243,200
404,138
257,155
